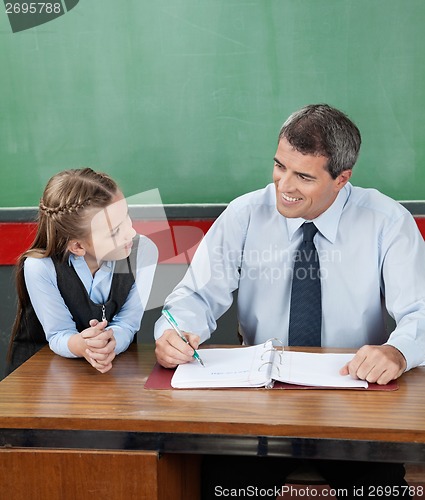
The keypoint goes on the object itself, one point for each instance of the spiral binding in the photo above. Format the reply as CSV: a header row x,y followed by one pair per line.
x,y
272,349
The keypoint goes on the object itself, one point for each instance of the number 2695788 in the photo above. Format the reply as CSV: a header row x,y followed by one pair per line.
x,y
34,8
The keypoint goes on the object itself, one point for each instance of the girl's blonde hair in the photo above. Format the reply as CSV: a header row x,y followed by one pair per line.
x,y
64,214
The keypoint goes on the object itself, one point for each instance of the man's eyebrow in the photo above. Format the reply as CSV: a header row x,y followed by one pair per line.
x,y
278,162
304,174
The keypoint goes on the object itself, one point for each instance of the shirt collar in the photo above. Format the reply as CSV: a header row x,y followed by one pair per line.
x,y
327,223
80,262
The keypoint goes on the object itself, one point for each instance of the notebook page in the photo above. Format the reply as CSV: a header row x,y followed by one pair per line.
x,y
319,370
237,367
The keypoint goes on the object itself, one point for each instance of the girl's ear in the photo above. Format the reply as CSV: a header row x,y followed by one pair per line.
x,y
74,246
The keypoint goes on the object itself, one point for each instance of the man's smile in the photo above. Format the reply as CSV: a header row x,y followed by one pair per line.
x,y
289,198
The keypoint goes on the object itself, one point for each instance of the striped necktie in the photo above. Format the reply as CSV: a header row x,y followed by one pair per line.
x,y
305,317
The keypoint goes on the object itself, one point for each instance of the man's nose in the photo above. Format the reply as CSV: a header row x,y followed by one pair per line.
x,y
285,182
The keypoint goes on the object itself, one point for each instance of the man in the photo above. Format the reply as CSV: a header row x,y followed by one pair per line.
x,y
364,257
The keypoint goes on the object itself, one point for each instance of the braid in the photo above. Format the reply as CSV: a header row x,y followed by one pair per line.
x,y
64,209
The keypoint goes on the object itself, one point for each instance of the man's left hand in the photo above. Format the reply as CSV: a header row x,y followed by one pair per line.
x,y
376,364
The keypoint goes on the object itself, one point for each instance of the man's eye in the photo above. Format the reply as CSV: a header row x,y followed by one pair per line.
x,y
302,177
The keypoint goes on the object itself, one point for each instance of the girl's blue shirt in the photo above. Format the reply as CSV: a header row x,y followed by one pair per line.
x,y
56,319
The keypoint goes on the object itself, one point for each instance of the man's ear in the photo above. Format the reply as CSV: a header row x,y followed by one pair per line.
x,y
343,178
74,246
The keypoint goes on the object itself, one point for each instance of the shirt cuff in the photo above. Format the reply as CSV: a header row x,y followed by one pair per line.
x,y
59,345
123,338
162,324
412,350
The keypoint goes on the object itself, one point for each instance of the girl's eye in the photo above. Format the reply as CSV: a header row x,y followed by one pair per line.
x,y
115,232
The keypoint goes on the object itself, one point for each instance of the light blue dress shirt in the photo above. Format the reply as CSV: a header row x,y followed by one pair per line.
x,y
372,258
54,315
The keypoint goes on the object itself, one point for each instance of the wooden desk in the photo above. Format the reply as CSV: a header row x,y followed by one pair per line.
x,y
60,419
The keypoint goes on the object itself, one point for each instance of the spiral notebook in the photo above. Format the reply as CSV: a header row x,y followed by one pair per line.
x,y
261,366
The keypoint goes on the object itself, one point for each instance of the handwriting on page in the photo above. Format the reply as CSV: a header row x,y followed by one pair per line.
x,y
229,373
224,368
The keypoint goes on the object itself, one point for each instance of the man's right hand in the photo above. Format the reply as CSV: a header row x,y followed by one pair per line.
x,y
171,350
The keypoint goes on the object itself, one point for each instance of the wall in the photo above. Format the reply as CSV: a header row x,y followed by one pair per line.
x,y
188,95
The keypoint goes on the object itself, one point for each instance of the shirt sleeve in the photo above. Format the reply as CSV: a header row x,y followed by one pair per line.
x,y
126,323
205,293
48,304
403,273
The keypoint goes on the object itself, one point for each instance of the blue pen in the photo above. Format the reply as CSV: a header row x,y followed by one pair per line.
x,y
167,315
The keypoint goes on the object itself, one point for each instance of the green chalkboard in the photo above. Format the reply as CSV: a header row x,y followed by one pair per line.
x,y
187,96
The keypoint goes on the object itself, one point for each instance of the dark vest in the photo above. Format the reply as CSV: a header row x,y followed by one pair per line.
x,y
30,336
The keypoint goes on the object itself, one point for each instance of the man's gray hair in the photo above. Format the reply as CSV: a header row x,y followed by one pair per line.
x,y
320,130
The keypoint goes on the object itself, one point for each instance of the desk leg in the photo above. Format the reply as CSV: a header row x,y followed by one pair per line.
x,y
88,474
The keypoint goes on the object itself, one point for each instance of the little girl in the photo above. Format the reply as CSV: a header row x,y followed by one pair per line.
x,y
84,283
